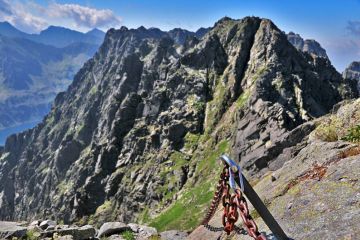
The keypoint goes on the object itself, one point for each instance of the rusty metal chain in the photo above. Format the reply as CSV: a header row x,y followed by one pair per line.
x,y
237,229
234,205
213,229
217,197
248,221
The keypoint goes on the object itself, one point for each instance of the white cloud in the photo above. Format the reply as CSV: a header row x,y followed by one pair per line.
x,y
32,17
5,7
18,15
84,16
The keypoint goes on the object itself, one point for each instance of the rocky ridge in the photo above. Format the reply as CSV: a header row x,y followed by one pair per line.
x,y
309,45
137,134
353,72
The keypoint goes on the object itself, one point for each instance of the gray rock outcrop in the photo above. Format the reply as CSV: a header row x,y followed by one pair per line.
x,y
173,235
10,230
111,228
316,189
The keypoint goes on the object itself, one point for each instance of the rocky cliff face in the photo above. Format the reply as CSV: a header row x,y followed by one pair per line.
x,y
317,188
353,72
137,134
309,45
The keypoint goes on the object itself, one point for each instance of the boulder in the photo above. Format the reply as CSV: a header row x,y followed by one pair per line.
x,y
9,230
173,235
61,226
110,228
35,223
82,233
47,223
50,228
142,232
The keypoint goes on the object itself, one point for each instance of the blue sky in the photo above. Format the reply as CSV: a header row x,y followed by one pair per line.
x,y
333,23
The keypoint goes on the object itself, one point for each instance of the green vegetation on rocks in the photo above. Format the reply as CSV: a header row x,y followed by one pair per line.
x,y
188,210
32,234
128,235
353,134
242,99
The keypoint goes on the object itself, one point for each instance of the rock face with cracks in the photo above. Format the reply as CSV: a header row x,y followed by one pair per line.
x,y
316,189
137,134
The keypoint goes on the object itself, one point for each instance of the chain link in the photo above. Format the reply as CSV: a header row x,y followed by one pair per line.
x,y
234,205
217,197
249,223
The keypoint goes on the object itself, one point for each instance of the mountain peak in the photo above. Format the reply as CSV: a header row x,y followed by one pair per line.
x,y
58,29
9,30
6,23
225,19
353,72
308,46
95,31
142,28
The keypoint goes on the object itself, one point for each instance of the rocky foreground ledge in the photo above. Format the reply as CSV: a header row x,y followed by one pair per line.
x,y
49,230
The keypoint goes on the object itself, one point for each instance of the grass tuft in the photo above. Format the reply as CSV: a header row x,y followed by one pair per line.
x,y
353,134
128,235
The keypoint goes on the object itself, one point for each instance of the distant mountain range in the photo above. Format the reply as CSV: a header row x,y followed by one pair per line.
x,y
54,36
314,48
35,67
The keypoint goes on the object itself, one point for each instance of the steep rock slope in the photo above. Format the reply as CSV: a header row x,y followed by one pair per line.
x,y
137,134
180,35
316,189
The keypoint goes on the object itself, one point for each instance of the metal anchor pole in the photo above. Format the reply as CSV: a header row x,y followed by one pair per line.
x,y
262,210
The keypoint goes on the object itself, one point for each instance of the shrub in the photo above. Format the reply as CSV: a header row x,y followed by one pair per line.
x,y
353,134
128,235
326,132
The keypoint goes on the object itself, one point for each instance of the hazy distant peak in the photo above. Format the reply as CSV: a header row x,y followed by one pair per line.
x,y
95,30
309,45
96,33
9,30
353,72
58,29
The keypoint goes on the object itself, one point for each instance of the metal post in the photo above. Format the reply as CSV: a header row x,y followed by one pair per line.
x,y
262,210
